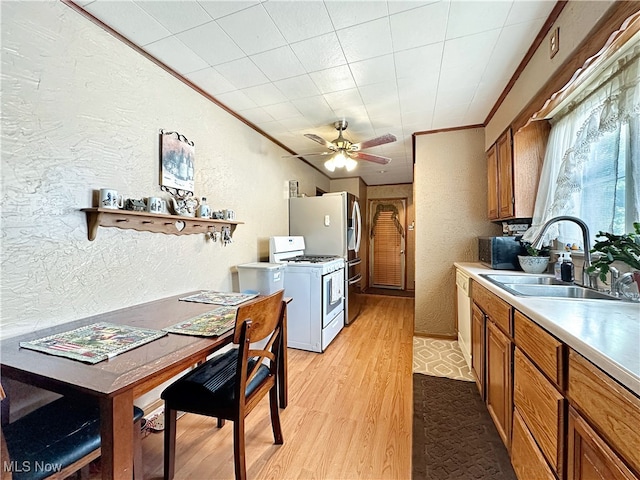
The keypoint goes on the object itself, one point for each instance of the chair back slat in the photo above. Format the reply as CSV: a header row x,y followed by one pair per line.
x,y
264,314
255,322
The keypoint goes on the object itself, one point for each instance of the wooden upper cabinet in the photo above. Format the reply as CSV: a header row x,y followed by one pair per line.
x,y
529,148
514,164
492,178
505,175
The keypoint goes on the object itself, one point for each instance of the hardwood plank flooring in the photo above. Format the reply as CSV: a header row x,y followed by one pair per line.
x,y
349,414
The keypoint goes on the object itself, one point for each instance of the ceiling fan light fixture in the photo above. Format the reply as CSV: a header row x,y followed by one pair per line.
x,y
340,160
330,165
345,154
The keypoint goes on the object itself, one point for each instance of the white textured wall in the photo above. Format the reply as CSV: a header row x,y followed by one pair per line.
x,y
82,111
450,195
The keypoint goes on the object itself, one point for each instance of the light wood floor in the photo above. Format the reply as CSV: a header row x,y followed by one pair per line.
x,y
349,415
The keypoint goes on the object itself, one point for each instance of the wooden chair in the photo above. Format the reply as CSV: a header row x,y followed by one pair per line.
x,y
57,440
230,385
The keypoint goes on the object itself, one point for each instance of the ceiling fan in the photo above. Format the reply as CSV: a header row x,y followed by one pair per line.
x,y
344,153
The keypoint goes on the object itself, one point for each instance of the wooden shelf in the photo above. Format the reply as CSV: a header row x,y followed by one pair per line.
x,y
151,222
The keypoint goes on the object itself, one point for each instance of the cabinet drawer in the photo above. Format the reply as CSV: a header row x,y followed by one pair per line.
x,y
610,408
541,407
493,306
526,458
589,456
545,350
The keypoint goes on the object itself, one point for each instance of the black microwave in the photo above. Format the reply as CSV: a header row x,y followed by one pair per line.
x,y
500,253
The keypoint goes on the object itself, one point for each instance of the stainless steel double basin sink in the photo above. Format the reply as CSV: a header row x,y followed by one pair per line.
x,y
544,286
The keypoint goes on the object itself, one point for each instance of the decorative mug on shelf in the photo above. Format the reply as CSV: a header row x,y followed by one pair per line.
x,y
156,205
109,198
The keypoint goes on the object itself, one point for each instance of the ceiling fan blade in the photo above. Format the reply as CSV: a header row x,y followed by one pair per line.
x,y
381,140
370,158
308,154
320,140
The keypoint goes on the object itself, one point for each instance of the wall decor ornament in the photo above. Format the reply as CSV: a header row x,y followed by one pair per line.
x,y
177,164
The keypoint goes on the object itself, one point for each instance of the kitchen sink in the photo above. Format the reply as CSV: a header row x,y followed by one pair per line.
x,y
562,291
544,286
522,279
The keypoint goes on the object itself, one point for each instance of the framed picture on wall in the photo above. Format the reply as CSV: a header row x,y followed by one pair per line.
x,y
177,162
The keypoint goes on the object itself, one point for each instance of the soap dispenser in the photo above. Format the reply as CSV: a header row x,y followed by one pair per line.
x,y
557,268
566,270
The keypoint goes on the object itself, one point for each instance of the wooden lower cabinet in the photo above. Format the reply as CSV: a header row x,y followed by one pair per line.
x,y
477,347
498,386
526,458
559,415
542,408
590,458
493,306
544,350
612,410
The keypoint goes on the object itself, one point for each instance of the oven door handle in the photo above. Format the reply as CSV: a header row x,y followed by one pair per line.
x,y
355,279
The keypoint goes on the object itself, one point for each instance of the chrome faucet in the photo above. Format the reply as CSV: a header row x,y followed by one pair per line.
x,y
587,279
617,285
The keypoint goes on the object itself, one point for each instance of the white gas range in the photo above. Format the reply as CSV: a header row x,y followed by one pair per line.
x,y
315,316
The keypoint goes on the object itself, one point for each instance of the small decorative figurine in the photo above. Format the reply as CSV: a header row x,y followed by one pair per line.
x,y
135,204
184,205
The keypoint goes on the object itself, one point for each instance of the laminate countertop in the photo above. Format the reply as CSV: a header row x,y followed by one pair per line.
x,y
606,332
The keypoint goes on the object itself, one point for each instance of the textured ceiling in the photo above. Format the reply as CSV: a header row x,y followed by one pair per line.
x,y
295,67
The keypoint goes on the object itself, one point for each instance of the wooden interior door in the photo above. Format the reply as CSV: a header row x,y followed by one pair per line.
x,y
387,243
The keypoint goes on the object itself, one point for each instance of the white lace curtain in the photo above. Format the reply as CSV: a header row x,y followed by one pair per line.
x,y
591,168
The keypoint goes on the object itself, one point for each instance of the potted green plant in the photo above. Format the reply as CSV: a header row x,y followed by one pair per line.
x,y
533,260
623,248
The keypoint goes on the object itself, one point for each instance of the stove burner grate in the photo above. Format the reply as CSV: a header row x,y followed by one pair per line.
x,y
311,258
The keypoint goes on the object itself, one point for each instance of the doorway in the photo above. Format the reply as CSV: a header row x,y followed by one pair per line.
x,y
387,218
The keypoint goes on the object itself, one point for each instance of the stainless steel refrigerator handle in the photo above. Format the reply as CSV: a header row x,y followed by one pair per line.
x,y
355,261
358,221
355,279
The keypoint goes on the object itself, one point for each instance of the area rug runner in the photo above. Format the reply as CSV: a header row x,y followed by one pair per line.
x,y
454,437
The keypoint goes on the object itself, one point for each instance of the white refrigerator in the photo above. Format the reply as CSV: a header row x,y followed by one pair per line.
x,y
331,224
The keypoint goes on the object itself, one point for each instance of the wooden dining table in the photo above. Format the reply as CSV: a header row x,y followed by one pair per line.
x,y
118,381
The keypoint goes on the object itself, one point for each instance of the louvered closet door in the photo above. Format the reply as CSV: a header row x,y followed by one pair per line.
x,y
387,243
